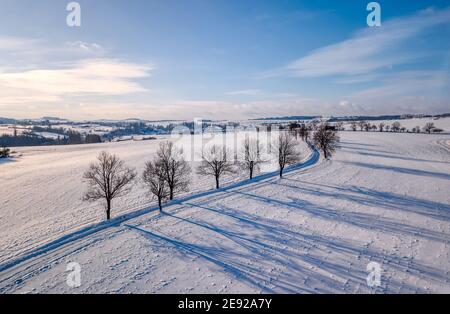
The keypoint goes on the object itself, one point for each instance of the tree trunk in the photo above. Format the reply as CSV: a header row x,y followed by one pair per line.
x,y
108,209
160,204
325,153
251,173
217,182
281,173
171,194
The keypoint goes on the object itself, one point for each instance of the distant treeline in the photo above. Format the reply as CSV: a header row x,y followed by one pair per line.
x,y
30,139
137,128
356,118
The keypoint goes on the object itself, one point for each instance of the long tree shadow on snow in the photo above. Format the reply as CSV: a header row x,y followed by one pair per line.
x,y
358,219
282,231
257,258
303,257
390,156
371,197
358,144
417,172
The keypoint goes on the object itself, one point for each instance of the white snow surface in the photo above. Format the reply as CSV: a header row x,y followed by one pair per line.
x,y
42,190
383,198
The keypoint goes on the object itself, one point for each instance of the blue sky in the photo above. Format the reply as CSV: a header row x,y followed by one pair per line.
x,y
181,59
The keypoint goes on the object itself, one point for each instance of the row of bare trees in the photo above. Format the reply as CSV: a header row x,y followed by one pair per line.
x,y
169,174
394,127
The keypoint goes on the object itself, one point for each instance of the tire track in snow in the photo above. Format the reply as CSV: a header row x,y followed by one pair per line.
x,y
445,144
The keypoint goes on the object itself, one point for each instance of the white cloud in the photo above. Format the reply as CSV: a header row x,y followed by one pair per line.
x,y
368,50
407,83
84,46
402,92
25,53
91,76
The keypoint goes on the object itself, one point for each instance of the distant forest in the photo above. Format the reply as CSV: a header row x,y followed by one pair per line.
x,y
29,138
65,136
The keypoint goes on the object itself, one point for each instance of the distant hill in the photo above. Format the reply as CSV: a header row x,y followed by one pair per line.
x,y
289,118
52,118
368,118
7,121
355,118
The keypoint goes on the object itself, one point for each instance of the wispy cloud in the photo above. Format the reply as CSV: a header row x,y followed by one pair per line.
x,y
424,91
407,83
368,50
245,92
25,53
85,46
92,76
35,71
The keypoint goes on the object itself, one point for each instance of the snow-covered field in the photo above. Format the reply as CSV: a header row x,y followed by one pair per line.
x,y
41,191
383,198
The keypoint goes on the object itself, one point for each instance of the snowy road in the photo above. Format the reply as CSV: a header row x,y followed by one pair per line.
x,y
384,198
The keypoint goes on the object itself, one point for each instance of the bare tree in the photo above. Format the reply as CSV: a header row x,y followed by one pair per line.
x,y
286,151
381,126
428,128
326,140
108,178
176,168
294,129
396,126
154,177
215,163
251,156
362,124
367,126
4,152
304,132
353,125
